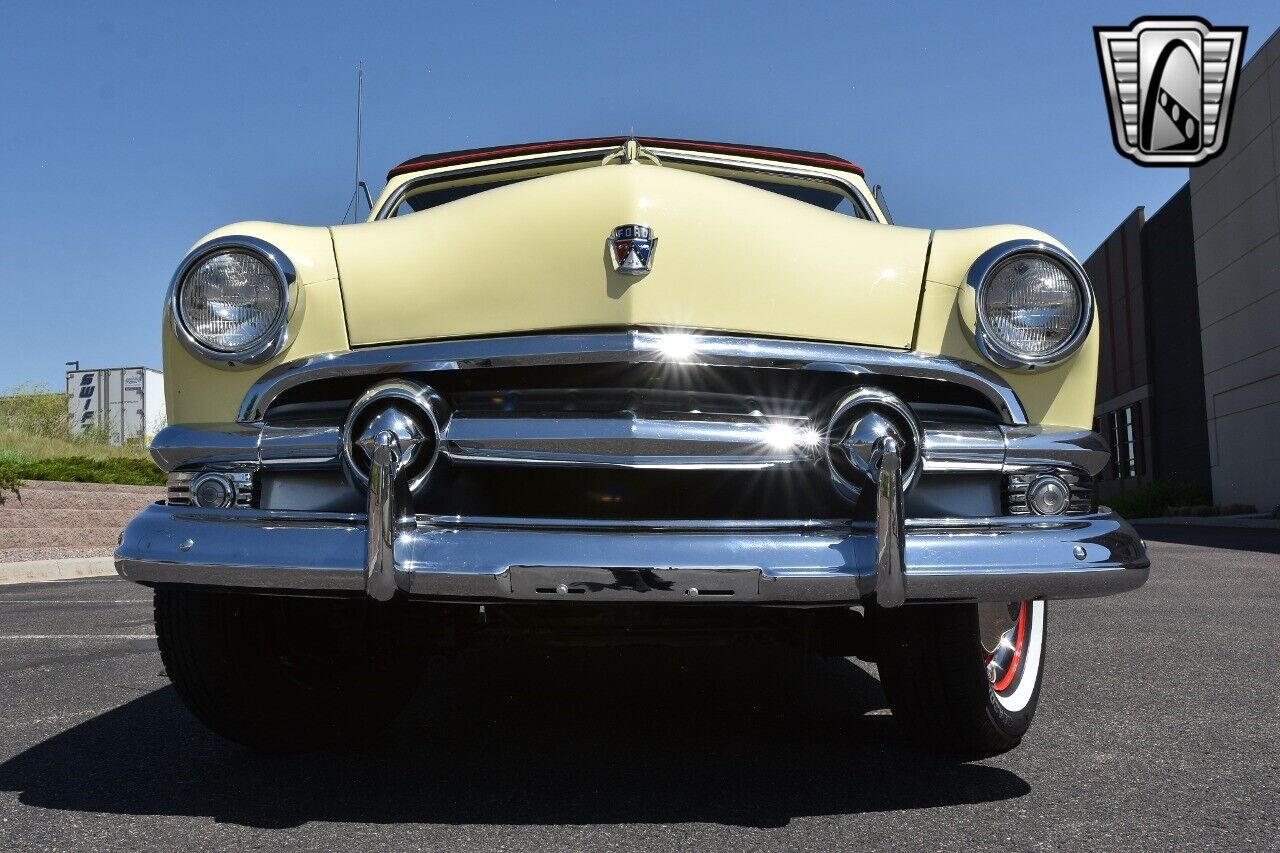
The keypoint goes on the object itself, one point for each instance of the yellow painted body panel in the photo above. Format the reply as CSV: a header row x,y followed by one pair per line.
x,y
197,391
532,257
1062,395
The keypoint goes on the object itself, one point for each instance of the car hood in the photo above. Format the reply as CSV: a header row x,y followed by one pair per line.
x,y
533,256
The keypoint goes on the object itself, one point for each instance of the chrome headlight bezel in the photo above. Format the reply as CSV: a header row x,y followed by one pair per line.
x,y
266,346
992,347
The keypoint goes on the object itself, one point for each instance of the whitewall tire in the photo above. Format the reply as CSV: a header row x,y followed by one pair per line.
x,y
963,678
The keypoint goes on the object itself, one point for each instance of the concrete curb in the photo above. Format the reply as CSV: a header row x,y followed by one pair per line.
x,y
34,571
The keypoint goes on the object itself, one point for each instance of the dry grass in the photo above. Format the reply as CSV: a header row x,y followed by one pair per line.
x,y
21,444
34,445
35,410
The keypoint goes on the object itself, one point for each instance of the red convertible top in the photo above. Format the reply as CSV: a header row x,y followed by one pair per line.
x,y
471,155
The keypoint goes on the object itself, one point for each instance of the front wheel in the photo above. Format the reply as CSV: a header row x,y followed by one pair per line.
x,y
283,674
963,678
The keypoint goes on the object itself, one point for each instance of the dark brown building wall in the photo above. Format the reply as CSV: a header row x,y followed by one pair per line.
x,y
1116,272
1180,438
1149,371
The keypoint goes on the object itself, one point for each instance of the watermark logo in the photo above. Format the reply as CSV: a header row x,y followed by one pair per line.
x,y
1170,84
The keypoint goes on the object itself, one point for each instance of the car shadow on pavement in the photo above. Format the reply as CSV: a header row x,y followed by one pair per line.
x,y
741,736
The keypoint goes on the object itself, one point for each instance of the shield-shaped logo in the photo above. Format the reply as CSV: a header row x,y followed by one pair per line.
x,y
1170,85
632,248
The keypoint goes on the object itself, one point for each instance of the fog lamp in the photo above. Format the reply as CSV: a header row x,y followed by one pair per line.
x,y
214,491
1048,495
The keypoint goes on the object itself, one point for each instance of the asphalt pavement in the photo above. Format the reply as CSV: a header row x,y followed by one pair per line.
x,y
1159,728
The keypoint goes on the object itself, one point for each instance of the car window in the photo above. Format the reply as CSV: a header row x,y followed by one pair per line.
x,y
828,198
427,197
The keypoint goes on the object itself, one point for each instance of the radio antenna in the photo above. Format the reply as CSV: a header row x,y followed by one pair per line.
x,y
359,132
361,186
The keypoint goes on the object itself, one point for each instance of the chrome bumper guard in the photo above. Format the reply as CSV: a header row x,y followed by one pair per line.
x,y
494,559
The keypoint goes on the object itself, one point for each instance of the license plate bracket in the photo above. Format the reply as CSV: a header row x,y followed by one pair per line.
x,y
635,584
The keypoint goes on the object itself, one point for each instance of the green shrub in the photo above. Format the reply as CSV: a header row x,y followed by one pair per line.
x,y
1155,498
81,469
9,482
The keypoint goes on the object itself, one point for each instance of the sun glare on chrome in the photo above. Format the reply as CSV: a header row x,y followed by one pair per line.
x,y
677,346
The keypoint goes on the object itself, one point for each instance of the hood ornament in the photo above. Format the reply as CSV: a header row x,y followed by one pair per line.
x,y
632,248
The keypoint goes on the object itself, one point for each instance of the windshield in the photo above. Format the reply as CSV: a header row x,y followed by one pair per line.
x,y
429,192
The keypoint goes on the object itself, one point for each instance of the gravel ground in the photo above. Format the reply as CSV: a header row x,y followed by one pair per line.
x,y
1158,729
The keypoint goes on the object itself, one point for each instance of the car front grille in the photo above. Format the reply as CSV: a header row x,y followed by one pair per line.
x,y
610,426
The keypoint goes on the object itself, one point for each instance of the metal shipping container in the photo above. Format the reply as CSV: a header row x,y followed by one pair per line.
x,y
128,402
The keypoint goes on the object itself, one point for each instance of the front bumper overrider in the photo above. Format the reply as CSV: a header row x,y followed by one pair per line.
x,y
490,559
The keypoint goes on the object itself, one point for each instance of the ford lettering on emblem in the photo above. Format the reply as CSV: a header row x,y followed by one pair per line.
x,y
632,248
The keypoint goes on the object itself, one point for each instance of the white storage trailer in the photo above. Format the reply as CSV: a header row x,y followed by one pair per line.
x,y
125,402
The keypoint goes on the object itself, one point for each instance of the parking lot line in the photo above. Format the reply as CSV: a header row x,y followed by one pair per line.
x,y
75,601
77,636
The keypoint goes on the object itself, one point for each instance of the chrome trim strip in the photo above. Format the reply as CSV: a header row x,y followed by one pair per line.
x,y
996,559
632,347
990,345
291,300
1030,447
629,440
977,448
585,440
625,525
180,446
192,446
963,449
294,447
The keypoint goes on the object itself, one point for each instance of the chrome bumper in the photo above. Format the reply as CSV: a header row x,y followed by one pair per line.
x,y
492,559
387,551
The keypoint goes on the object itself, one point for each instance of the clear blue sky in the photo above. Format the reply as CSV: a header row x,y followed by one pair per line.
x,y
129,131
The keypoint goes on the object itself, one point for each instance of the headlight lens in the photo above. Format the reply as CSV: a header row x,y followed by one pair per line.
x,y
230,301
1033,307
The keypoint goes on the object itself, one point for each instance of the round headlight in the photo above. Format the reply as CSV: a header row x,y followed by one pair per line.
x,y
230,300
1034,305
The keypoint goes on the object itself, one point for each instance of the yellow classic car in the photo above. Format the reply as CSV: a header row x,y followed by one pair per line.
x,y
610,388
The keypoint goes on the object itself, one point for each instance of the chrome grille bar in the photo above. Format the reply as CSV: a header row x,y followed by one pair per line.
x,y
631,347
632,441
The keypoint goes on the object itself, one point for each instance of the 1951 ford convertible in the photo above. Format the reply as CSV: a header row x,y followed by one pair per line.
x,y
620,389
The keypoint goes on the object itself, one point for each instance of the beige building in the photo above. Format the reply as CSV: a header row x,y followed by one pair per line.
x,y
1235,207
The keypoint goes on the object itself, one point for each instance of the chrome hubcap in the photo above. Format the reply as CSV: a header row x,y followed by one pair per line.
x,y
1002,630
